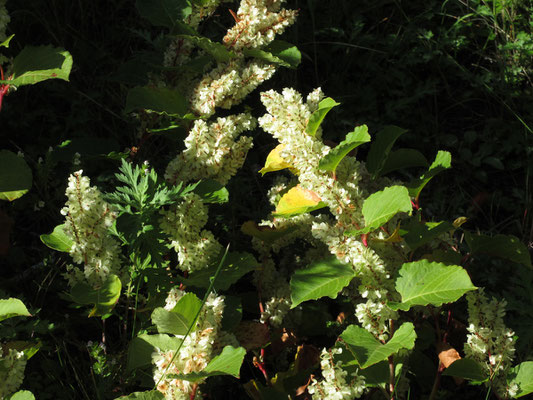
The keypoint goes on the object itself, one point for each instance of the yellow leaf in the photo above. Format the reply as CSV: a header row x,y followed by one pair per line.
x,y
274,161
298,201
459,221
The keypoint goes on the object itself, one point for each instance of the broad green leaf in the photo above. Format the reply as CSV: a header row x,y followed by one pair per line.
x,y
368,351
381,206
103,298
503,246
353,139
21,395
5,43
274,162
381,147
149,395
296,201
212,191
278,52
235,266
15,176
217,50
422,282
226,363
466,368
522,375
170,322
168,13
322,278
161,100
58,239
443,161
318,116
141,348
266,233
418,234
12,308
403,158
188,306
37,64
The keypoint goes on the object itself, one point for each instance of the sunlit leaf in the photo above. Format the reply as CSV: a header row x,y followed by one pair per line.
x,y
226,363
353,139
443,161
422,282
15,176
418,234
277,52
211,191
318,116
368,351
149,395
5,43
274,161
58,239
21,395
298,200
142,347
37,64
217,50
381,206
103,298
12,308
322,278
521,375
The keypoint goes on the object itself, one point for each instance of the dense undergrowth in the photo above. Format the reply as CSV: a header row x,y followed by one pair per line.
x,y
434,97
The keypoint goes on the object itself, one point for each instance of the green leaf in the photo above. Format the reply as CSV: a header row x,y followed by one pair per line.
x,y
22,395
277,52
381,147
103,298
178,320
322,278
368,351
318,116
422,282
353,139
418,234
403,158
226,363
212,191
235,266
466,368
37,64
5,43
15,176
161,100
296,201
522,375
443,161
149,395
141,348
170,322
166,13
380,207
503,246
217,50
58,239
12,308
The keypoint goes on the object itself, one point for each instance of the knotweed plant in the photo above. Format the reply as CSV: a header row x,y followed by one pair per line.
x,y
341,228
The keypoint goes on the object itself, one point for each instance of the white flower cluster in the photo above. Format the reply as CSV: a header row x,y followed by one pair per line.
x,y
489,341
4,20
88,218
183,223
337,384
194,354
258,22
228,84
12,365
212,151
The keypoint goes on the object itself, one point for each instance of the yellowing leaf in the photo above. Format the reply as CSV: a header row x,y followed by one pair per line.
x,y
298,200
274,161
459,221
